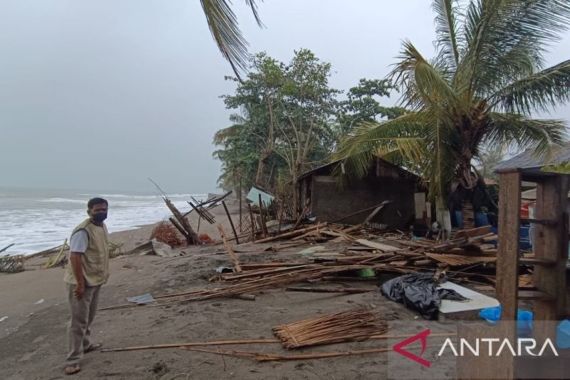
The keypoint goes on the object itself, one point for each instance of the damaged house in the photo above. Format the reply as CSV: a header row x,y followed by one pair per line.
x,y
325,198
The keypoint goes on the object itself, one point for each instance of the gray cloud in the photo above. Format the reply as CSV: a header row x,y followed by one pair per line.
x,y
102,94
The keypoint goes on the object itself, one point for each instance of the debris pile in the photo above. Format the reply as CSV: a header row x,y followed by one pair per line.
x,y
167,234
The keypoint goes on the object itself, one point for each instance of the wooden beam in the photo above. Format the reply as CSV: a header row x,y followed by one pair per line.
x,y
550,242
508,250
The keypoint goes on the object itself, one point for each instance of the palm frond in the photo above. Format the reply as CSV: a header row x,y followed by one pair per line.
x,y
536,92
494,28
509,128
224,27
405,134
422,83
446,30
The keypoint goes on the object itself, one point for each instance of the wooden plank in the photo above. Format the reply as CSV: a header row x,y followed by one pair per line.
x,y
536,261
551,243
457,260
508,250
471,232
291,233
535,295
377,245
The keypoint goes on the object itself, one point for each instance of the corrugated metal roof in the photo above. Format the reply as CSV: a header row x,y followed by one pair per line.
x,y
401,170
254,194
529,159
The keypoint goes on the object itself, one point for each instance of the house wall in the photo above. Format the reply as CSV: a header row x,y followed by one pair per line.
x,y
329,202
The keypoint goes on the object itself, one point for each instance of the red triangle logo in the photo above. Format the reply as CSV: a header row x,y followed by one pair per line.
x,y
422,337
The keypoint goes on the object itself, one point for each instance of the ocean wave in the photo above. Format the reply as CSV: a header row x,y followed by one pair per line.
x,y
61,200
127,196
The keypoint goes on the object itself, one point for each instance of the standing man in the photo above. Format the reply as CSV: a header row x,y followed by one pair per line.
x,y
87,270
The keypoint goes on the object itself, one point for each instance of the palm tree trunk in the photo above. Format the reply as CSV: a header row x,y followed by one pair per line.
x,y
443,217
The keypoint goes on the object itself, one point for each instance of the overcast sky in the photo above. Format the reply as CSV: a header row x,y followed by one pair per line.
x,y
101,94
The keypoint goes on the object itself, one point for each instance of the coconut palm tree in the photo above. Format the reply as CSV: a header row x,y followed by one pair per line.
x,y
481,89
223,25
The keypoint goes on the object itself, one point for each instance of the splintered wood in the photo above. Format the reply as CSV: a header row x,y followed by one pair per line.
x,y
345,326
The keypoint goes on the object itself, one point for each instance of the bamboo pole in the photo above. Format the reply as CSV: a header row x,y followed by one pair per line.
x,y
231,221
252,221
262,214
243,341
229,249
328,290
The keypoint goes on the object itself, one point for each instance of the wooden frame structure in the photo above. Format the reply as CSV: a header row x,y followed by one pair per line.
x,y
550,246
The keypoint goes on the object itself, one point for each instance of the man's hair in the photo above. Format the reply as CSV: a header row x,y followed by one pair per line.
x,y
96,201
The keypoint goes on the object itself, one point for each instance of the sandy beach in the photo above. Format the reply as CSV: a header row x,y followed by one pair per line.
x,y
33,337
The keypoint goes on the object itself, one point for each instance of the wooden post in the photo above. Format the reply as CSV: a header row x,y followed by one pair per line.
x,y
262,214
508,250
240,213
231,221
551,243
252,222
179,228
190,235
281,209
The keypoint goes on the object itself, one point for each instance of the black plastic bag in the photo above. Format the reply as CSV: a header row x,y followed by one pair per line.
x,y
418,291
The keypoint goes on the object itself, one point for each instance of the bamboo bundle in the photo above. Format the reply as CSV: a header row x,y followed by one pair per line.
x,y
345,326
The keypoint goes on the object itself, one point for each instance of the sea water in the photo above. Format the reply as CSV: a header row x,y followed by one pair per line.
x,y
35,220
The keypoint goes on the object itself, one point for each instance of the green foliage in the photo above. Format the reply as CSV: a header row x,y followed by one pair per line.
x,y
223,25
362,105
288,120
285,121
479,91
561,168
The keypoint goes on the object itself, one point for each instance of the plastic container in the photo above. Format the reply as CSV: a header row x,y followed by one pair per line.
x,y
563,334
524,319
366,273
481,219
